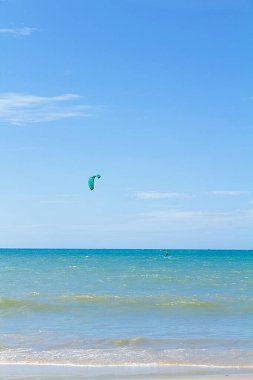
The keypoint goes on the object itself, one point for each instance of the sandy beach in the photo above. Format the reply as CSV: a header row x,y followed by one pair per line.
x,y
55,372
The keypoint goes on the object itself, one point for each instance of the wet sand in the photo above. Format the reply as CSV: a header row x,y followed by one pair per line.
x,y
56,372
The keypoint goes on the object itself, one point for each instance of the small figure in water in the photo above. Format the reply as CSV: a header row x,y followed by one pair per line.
x,y
166,253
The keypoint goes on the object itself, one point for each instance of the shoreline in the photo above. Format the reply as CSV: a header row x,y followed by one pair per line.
x,y
46,371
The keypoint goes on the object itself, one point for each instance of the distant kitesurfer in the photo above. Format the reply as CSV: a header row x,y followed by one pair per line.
x,y
166,253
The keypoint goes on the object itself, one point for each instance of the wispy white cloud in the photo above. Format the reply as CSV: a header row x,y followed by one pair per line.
x,y
164,195
233,193
18,32
159,195
20,109
173,220
198,218
61,199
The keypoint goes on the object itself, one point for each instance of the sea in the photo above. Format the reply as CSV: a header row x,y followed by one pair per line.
x,y
127,308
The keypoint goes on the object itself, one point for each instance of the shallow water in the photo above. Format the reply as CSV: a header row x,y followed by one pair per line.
x,y
106,307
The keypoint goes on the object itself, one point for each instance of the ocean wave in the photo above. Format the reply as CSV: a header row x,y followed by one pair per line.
x,y
163,302
23,304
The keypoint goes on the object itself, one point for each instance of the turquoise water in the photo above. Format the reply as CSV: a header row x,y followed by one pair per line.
x,y
126,307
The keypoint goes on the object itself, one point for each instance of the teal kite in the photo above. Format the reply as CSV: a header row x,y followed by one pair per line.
x,y
91,181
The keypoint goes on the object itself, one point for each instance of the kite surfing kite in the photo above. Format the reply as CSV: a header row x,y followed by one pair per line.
x,y
91,181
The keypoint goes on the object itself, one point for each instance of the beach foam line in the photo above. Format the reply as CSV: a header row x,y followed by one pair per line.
x,y
123,365
128,355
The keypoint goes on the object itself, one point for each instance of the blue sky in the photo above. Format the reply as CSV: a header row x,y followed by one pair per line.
x,y
156,96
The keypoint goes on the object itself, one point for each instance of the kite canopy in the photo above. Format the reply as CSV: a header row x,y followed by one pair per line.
x,y
91,181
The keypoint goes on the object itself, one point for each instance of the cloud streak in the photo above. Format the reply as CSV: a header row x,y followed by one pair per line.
x,y
159,195
18,32
148,195
232,193
21,109
60,199
198,218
